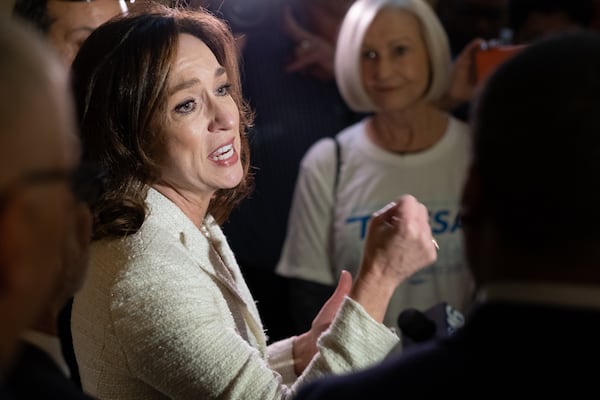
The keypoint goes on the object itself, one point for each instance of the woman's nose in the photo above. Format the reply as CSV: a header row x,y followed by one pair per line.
x,y
223,116
384,68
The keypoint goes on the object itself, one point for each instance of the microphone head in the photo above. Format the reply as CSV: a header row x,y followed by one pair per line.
x,y
416,325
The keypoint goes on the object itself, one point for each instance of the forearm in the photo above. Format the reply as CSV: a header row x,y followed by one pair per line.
x,y
373,292
398,244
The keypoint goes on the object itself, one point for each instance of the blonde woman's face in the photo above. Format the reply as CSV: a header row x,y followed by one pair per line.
x,y
394,60
202,137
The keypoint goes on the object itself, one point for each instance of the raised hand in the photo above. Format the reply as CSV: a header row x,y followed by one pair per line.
x,y
305,346
313,55
463,81
398,244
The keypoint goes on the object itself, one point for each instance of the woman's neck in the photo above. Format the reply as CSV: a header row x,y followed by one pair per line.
x,y
194,206
408,131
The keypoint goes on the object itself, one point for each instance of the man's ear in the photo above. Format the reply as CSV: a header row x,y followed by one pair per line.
x,y
11,234
473,202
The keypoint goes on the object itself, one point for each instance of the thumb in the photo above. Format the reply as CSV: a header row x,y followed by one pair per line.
x,y
331,306
344,285
341,291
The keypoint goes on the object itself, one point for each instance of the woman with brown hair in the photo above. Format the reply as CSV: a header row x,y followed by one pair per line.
x,y
165,311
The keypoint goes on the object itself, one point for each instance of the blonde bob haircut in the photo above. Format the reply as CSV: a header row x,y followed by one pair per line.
x,y
350,39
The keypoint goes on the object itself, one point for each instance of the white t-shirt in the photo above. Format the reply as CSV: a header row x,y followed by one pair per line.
x,y
323,239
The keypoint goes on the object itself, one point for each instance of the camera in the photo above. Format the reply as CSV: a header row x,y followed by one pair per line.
x,y
490,55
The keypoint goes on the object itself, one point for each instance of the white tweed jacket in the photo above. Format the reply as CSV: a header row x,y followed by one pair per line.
x,y
164,314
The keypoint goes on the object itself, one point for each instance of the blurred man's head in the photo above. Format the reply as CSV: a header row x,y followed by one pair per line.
x,y
38,151
67,23
531,204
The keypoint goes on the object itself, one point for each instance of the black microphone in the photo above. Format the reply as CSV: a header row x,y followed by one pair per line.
x,y
439,321
416,326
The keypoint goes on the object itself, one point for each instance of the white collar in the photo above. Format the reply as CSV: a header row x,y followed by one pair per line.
x,y
48,344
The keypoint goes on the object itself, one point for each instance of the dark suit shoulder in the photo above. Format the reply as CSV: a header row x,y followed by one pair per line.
x,y
36,376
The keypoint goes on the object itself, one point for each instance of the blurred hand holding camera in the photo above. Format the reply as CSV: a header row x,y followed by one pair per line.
x,y
464,77
489,55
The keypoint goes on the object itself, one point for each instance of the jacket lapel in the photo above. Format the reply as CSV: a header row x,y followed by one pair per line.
x,y
199,248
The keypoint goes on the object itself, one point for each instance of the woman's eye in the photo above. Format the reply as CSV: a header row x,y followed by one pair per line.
x,y
224,90
186,107
400,50
369,55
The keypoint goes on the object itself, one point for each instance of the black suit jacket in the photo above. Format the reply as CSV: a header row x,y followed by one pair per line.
x,y
503,349
4,394
36,376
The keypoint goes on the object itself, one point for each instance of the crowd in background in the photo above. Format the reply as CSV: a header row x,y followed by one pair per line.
x,y
109,212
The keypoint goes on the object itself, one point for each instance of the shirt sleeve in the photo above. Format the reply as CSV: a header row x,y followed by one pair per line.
x,y
281,359
354,341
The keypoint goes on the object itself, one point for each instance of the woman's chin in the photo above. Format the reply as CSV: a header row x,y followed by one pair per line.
x,y
234,178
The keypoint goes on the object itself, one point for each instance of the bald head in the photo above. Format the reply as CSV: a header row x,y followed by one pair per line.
x,y
37,136
35,110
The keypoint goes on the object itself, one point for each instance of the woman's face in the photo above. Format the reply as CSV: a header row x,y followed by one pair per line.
x,y
394,61
202,139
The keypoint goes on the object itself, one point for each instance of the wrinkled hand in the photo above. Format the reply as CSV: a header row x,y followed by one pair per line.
x,y
399,241
398,244
305,345
463,81
313,54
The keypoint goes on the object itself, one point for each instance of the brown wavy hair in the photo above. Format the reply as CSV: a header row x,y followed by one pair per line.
x,y
119,80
